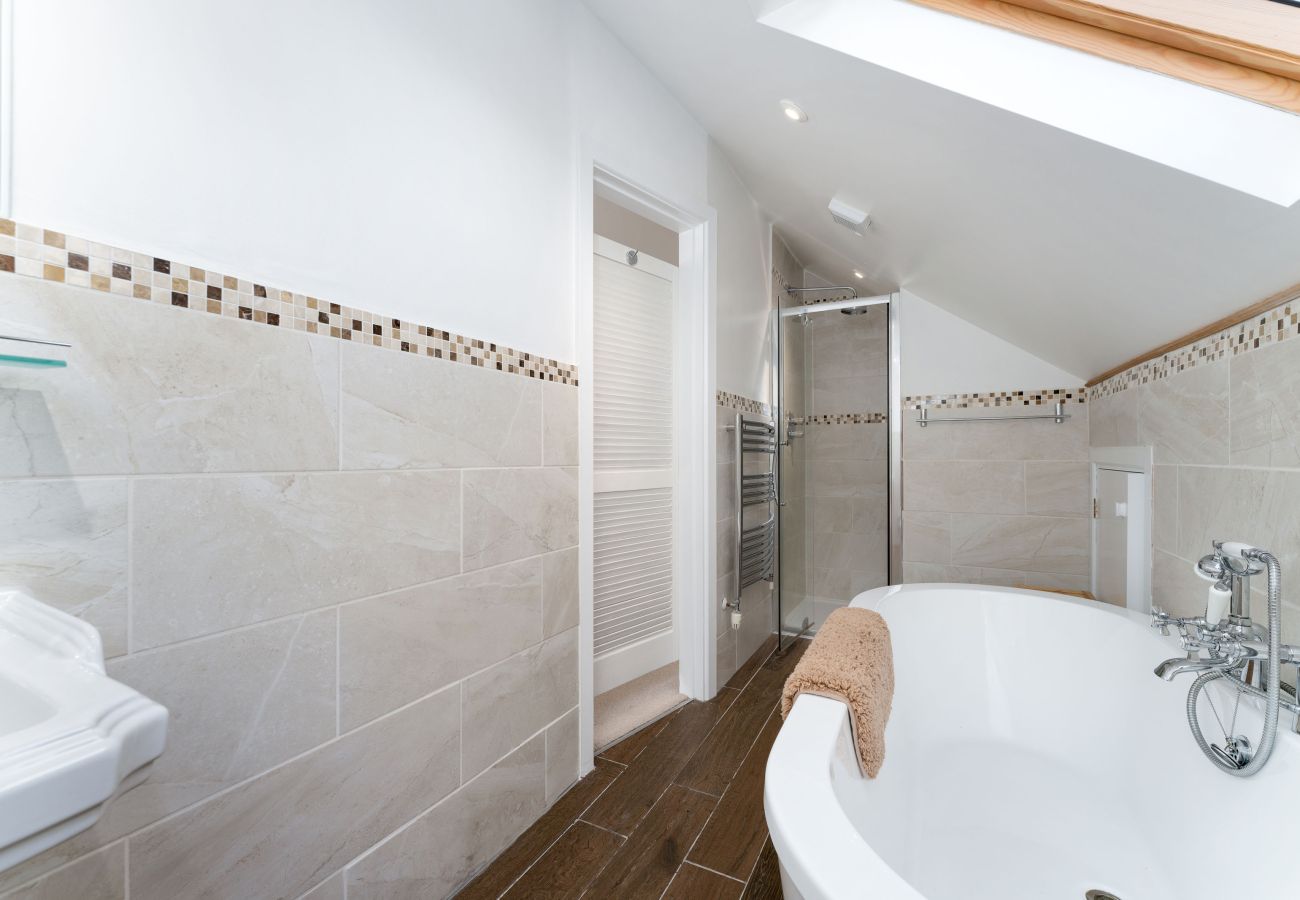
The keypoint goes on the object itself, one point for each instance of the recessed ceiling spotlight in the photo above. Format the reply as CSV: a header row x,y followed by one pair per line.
x,y
793,112
857,273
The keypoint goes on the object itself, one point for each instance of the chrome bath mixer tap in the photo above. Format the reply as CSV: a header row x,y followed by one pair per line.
x,y
1227,649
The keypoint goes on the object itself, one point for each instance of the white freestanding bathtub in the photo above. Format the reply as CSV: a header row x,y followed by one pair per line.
x,y
1031,755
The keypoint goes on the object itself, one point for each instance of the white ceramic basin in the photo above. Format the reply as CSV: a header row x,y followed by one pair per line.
x,y
70,736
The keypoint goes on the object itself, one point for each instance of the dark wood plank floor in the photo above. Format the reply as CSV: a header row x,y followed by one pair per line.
x,y
673,811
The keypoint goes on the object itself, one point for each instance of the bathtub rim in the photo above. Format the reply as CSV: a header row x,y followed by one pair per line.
x,y
811,833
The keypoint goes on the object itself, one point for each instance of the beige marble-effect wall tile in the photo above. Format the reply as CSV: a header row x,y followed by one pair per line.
x,y
1175,588
65,543
960,486
847,478
1185,416
726,654
1025,543
513,513
561,755
406,411
332,888
559,591
1265,406
934,573
98,876
240,703
506,703
939,573
559,424
1034,439
1112,420
317,812
846,515
1058,488
1164,501
397,648
757,619
726,491
842,585
443,848
212,553
850,394
1047,581
858,441
1258,506
926,537
214,396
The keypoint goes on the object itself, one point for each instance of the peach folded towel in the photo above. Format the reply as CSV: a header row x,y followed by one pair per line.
x,y
850,660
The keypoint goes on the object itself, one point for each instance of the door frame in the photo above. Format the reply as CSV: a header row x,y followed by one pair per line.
x,y
1134,461
694,439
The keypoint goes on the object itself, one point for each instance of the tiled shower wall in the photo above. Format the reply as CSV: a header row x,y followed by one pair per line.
x,y
846,458
349,572
1221,416
1005,503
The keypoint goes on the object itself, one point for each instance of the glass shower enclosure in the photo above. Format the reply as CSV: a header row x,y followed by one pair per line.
x,y
838,417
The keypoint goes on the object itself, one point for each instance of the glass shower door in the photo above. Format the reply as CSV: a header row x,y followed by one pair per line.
x,y
833,396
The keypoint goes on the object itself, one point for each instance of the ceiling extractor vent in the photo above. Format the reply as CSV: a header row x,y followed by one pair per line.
x,y
852,218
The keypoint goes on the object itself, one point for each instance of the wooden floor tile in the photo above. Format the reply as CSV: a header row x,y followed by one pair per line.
x,y
734,837
765,882
784,662
631,746
540,835
749,666
693,883
644,866
638,788
712,766
571,864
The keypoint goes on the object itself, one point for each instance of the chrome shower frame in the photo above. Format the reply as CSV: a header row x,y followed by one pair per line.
x,y
894,415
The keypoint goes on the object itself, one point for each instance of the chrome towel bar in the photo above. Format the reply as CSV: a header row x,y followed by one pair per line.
x,y
1060,415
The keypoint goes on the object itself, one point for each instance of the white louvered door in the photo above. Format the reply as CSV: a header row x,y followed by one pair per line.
x,y
632,387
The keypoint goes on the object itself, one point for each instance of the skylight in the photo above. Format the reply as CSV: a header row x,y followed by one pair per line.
x,y
1239,143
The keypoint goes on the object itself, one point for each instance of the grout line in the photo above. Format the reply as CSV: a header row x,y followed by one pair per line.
x,y
292,615
714,871
338,671
266,473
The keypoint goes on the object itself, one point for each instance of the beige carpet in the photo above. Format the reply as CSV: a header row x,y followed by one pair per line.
x,y
630,706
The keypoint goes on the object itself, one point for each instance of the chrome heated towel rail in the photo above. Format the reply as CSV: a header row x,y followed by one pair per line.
x,y
755,544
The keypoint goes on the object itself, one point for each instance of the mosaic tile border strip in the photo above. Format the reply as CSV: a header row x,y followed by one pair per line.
x,y
874,418
994,399
54,256
1280,323
743,404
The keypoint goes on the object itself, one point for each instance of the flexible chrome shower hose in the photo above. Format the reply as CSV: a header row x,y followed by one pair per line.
x,y
1272,690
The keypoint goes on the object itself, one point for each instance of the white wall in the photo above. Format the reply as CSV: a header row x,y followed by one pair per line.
x,y
745,237
411,158
943,354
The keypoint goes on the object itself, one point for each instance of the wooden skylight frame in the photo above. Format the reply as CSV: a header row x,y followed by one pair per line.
x,y
1249,48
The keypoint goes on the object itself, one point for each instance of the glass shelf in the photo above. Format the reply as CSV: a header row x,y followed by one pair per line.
x,y
32,353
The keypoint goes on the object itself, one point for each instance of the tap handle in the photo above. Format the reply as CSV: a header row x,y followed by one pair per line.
x,y
1160,620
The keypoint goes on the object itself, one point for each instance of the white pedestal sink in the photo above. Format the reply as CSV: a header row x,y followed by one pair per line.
x,y
70,736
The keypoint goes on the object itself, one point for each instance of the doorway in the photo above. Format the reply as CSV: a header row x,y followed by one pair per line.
x,y
646,383
1121,526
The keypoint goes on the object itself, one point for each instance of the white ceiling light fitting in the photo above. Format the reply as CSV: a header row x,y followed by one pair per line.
x,y
793,112
852,218
857,273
